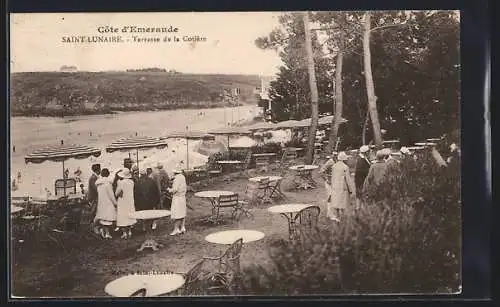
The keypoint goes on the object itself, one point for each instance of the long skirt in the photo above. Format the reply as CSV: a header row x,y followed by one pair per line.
x,y
178,207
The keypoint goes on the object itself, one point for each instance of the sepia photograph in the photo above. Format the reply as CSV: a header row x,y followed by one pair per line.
x,y
207,154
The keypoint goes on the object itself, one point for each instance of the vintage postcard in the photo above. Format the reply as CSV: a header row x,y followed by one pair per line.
x,y
234,153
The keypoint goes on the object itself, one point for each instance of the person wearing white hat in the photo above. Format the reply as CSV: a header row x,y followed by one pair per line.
x,y
392,164
405,151
377,171
342,187
326,172
125,194
178,207
362,169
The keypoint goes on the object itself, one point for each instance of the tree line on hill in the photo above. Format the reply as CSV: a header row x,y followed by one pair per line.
x,y
82,93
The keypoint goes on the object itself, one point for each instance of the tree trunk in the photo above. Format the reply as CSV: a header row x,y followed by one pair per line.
x,y
365,125
370,87
314,91
338,97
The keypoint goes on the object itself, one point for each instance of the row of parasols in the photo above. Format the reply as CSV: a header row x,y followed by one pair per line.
x,y
61,153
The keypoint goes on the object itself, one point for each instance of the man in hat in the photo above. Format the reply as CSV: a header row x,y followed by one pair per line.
x,y
162,181
392,164
377,171
362,169
92,191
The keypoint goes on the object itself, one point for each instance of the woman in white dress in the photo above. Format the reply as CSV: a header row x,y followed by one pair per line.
x,y
178,207
106,203
125,194
342,188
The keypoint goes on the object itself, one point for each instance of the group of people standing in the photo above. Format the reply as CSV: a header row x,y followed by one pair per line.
x,y
371,170
340,185
115,200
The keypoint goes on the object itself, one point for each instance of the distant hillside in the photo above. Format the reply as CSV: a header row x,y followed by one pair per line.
x,y
77,93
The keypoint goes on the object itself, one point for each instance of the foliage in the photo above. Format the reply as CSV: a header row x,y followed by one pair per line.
x,y
290,92
57,93
416,71
381,246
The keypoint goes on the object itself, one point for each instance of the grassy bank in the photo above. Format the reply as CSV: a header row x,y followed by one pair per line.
x,y
87,93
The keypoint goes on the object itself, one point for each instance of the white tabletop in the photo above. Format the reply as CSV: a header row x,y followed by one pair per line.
x,y
229,162
433,140
155,284
425,144
267,154
295,148
259,178
149,214
15,209
230,236
306,167
287,208
391,141
213,194
415,147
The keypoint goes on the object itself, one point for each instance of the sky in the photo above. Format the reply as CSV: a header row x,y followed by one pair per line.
x,y
37,42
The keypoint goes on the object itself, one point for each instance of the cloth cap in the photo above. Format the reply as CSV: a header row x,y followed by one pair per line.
x,y
364,148
342,156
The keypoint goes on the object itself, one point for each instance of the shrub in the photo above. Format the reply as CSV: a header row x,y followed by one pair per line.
x,y
405,239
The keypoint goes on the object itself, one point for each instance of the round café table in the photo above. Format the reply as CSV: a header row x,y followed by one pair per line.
x,y
212,197
303,177
153,284
428,144
150,215
289,211
230,236
434,140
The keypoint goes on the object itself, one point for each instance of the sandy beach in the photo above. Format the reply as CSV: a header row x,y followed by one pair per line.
x,y
28,134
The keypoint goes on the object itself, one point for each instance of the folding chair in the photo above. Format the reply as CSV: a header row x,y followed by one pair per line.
x,y
287,159
246,166
228,201
262,164
275,189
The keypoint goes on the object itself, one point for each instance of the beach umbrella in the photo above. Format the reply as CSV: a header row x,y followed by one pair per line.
x,y
61,153
136,142
231,131
244,142
189,135
325,120
261,126
290,124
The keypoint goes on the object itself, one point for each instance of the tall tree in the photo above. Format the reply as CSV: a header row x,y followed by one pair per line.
x,y
370,87
314,90
290,92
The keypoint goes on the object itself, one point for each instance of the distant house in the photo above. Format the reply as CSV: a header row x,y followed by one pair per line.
x,y
66,68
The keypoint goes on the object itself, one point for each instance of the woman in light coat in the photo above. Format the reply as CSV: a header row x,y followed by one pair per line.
x,y
342,187
125,194
106,203
178,207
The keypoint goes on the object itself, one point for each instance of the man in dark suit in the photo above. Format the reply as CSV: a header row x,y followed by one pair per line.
x,y
92,191
362,168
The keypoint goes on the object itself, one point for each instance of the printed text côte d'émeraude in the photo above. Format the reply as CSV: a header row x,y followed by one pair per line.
x,y
112,30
